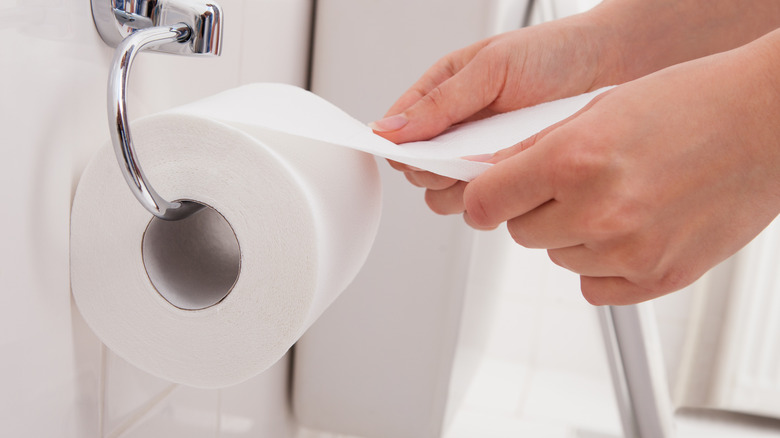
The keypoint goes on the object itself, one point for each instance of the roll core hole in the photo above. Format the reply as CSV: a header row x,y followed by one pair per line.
x,y
194,262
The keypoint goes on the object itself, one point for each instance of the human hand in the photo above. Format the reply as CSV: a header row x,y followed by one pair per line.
x,y
650,185
499,74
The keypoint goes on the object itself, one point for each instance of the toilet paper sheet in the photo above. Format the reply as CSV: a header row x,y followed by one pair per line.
x,y
286,177
294,111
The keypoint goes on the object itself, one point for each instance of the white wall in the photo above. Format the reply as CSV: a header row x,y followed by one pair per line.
x,y
55,378
380,361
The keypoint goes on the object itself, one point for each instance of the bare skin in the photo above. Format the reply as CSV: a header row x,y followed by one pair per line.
x,y
655,181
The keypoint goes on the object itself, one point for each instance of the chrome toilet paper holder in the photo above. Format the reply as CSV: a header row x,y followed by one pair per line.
x,y
184,27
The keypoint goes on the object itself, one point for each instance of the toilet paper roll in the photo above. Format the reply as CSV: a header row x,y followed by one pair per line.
x,y
289,227
294,205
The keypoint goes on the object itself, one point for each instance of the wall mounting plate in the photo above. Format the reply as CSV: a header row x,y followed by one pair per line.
x,y
117,19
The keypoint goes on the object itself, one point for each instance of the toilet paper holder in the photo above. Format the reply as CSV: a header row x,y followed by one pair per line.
x,y
184,27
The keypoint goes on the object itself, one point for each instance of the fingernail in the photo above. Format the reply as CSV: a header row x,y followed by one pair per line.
x,y
481,158
392,123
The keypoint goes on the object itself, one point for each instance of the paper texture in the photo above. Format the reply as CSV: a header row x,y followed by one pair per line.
x,y
304,216
297,112
301,206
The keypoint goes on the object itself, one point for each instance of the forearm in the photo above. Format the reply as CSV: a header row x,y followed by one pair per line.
x,y
643,36
756,65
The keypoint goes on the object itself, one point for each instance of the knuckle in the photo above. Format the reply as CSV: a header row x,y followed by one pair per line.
x,y
674,279
436,207
517,234
440,71
616,204
437,103
582,162
520,234
494,56
617,213
475,205
636,262
446,66
556,258
495,59
443,202
435,98
591,293
631,257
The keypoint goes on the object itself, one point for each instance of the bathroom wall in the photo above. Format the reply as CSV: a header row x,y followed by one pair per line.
x,y
56,379
543,370
407,331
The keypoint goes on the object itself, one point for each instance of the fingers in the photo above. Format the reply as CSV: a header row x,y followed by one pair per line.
x,y
442,70
584,261
430,180
466,92
518,183
422,178
615,291
472,224
551,225
601,282
401,166
510,188
503,154
446,201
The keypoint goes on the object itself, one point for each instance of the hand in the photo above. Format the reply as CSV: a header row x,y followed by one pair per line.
x,y
613,43
651,184
499,74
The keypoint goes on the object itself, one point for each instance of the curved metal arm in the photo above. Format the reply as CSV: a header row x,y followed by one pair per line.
x,y
117,119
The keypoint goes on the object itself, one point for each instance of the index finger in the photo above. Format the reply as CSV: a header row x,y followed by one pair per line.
x,y
442,70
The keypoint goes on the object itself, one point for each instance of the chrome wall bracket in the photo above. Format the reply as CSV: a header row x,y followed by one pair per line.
x,y
184,27
117,19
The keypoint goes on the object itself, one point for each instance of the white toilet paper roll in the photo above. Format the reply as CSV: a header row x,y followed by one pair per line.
x,y
219,297
292,223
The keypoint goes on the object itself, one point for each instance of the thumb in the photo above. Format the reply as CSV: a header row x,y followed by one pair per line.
x,y
467,92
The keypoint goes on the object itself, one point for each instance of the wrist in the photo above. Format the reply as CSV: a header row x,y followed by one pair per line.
x,y
767,50
749,90
581,53
598,34
606,47
624,40
766,53
639,37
